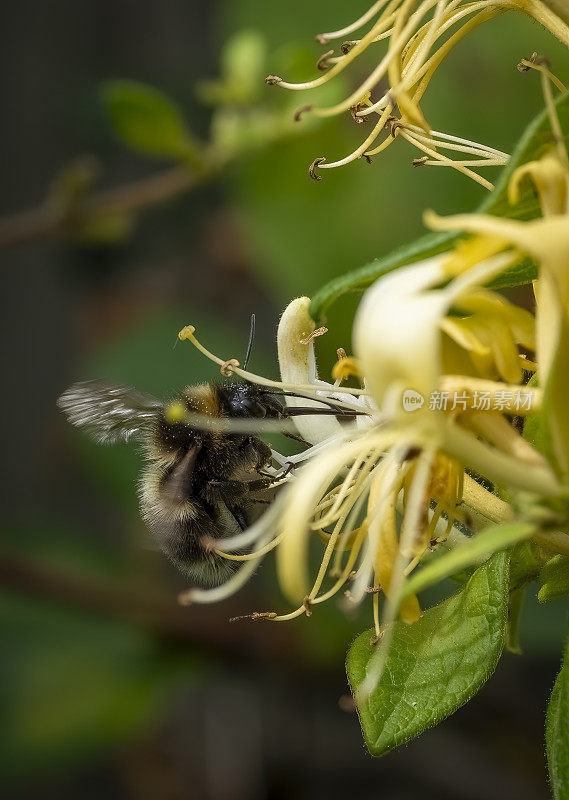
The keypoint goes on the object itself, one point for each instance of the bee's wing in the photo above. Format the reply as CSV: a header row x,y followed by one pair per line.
x,y
109,413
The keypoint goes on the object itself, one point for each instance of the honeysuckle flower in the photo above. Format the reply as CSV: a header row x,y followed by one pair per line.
x,y
418,36
348,486
383,489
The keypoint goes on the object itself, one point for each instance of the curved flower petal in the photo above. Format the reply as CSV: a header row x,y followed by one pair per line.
x,y
551,180
298,366
396,334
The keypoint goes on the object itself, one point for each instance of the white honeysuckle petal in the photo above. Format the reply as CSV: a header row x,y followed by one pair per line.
x,y
396,336
313,480
297,365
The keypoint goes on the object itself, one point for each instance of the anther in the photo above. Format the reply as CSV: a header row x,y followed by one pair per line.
x,y
312,169
412,453
175,412
345,367
367,158
314,335
347,46
307,606
228,367
256,615
347,703
420,162
208,543
273,80
394,124
185,598
354,115
186,332
321,38
323,64
525,64
301,111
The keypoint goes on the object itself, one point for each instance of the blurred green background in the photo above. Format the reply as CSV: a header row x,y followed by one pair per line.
x,y
108,687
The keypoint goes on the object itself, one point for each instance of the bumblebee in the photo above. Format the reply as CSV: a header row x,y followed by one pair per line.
x,y
200,484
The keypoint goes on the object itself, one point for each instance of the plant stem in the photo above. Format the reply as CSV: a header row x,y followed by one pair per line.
x,y
45,220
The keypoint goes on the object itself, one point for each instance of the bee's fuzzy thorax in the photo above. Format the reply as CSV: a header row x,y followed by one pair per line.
x,y
203,399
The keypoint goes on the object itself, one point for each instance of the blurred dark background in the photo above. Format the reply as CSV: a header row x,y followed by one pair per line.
x,y
108,687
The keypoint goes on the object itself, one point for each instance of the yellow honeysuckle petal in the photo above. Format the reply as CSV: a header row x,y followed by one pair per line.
x,y
545,239
471,251
386,556
483,302
550,178
464,331
505,351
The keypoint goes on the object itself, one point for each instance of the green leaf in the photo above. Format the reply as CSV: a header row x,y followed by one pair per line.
x,y
243,61
72,184
557,734
537,426
554,578
548,429
517,598
102,229
435,665
488,541
533,142
147,120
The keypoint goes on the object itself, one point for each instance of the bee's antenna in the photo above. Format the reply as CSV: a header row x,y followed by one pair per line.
x,y
309,411
251,339
336,409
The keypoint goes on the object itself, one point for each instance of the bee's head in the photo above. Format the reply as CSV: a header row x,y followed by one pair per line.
x,y
248,400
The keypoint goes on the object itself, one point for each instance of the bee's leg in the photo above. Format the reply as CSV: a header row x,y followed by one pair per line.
x,y
287,469
231,491
278,476
239,517
274,405
256,451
